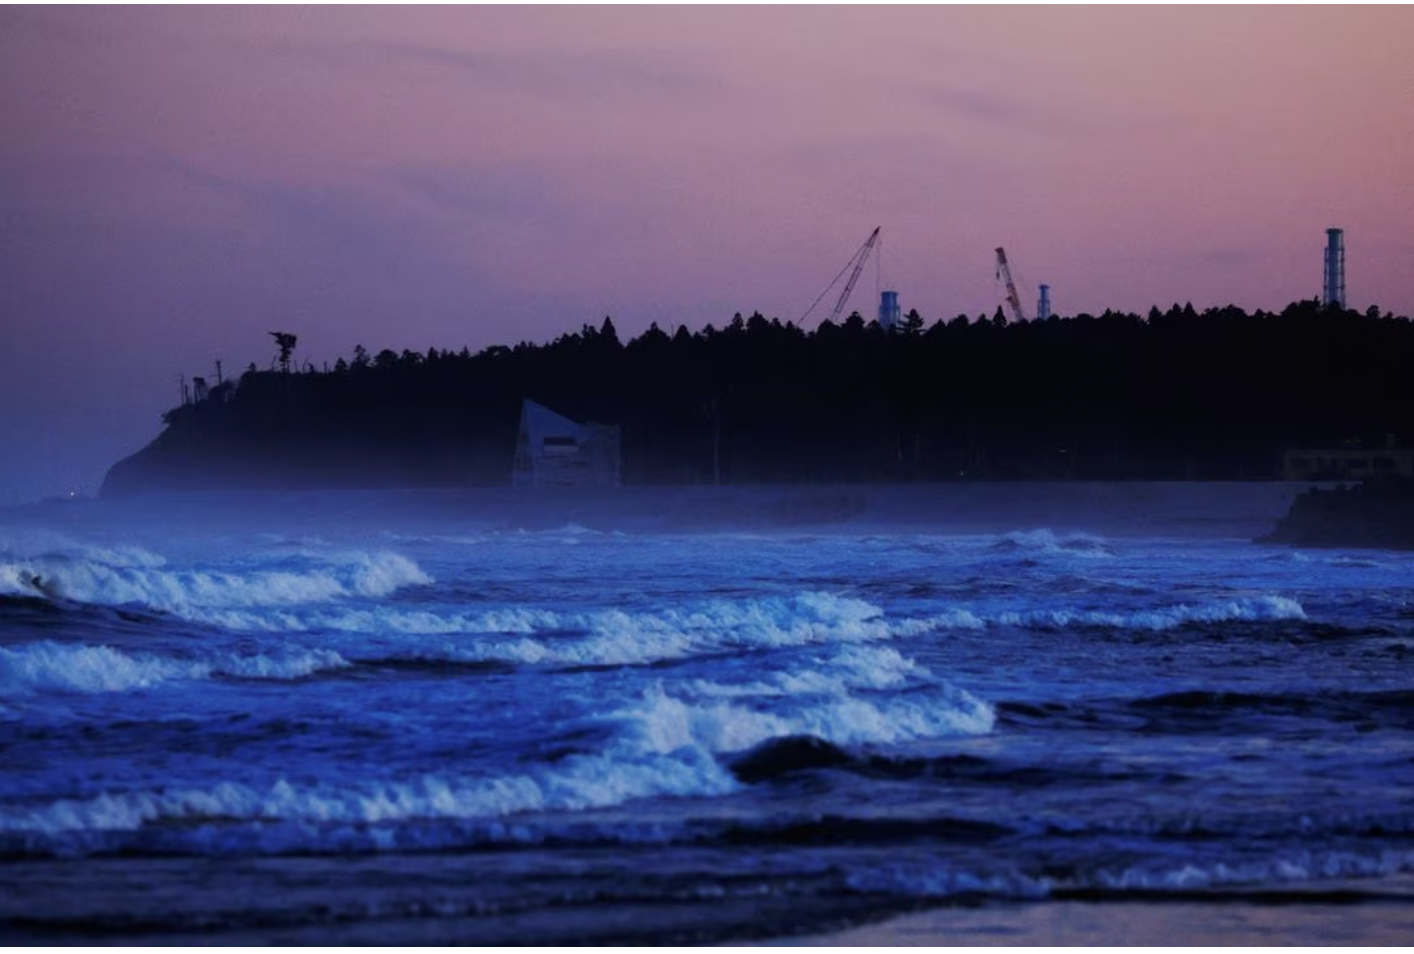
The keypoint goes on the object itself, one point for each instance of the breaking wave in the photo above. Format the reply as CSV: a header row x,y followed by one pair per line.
x,y
577,783
668,723
616,637
1256,608
55,667
1048,542
1287,867
605,637
852,666
117,577
1157,877
660,744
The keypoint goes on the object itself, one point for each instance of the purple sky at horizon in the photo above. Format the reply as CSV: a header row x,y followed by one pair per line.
x,y
177,182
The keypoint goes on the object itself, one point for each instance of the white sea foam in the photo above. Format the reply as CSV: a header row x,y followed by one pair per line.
x,y
288,664
619,637
52,666
1289,866
667,723
930,879
852,666
935,880
1267,607
115,577
604,637
661,746
957,619
56,667
576,783
1045,541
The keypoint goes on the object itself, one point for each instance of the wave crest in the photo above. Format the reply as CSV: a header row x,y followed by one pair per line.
x,y
128,576
609,637
56,667
664,723
1256,608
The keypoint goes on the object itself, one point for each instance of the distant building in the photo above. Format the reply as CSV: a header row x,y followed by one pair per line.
x,y
1333,285
1347,463
554,451
889,310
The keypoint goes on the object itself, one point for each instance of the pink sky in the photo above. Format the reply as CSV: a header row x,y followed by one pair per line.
x,y
177,182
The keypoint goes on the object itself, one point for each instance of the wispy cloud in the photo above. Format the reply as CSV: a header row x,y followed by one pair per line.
x,y
558,75
569,75
327,220
894,165
501,191
1009,113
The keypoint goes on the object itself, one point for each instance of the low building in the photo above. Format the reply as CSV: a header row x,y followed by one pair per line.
x,y
554,451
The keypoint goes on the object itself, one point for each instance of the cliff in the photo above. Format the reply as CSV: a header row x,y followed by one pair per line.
x,y
1376,513
272,433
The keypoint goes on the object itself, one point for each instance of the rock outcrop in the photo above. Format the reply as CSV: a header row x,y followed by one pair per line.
x,y
1376,513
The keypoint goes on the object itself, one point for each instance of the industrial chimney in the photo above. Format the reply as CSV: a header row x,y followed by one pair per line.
x,y
1333,293
888,310
1043,306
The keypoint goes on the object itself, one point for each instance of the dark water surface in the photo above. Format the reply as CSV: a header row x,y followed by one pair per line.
x,y
343,719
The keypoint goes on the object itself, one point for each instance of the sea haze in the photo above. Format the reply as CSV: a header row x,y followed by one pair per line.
x,y
684,716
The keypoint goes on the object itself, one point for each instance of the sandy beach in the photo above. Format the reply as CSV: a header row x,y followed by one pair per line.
x,y
1387,920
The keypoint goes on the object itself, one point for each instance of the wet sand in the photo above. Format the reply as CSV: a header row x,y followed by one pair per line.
x,y
1386,921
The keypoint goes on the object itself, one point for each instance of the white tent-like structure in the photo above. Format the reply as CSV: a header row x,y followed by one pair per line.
x,y
554,451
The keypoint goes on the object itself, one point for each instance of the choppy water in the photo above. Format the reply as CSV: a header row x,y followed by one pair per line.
x,y
371,725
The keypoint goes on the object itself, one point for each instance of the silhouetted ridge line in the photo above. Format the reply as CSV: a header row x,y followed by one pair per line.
x,y
1175,394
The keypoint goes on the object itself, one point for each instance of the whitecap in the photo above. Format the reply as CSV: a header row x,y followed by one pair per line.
x,y
132,576
56,667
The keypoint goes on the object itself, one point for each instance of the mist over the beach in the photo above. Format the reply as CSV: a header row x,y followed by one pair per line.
x,y
432,509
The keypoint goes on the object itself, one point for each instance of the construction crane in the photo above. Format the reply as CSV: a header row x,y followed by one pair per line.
x,y
857,261
1004,274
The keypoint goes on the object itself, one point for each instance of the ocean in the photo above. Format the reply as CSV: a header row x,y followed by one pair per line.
x,y
700,716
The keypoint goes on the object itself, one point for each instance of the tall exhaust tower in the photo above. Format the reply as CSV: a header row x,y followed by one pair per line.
x,y
1333,292
889,312
1043,306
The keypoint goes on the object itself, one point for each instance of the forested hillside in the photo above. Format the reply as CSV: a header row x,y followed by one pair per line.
x,y
1172,394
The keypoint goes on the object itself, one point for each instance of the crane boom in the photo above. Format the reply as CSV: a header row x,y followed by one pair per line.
x,y
856,262
861,257
1004,273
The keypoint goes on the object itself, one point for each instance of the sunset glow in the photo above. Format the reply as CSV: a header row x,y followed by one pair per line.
x,y
177,182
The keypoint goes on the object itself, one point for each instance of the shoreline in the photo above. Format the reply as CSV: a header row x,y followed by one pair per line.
x,y
1182,508
1326,919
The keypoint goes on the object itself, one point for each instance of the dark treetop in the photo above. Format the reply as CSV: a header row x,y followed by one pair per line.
x,y
1174,394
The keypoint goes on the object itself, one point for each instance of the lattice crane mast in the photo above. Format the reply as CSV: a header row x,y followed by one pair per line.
x,y
1004,274
857,261
861,256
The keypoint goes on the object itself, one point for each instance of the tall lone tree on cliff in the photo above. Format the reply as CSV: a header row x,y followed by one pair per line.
x,y
286,343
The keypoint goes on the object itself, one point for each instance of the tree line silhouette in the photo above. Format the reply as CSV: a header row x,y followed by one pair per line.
x,y
1176,394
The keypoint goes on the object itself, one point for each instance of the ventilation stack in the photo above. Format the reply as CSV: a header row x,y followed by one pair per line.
x,y
1043,306
889,313
1333,293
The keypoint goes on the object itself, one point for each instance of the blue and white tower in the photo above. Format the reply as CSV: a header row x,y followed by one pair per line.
x,y
889,313
1333,293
